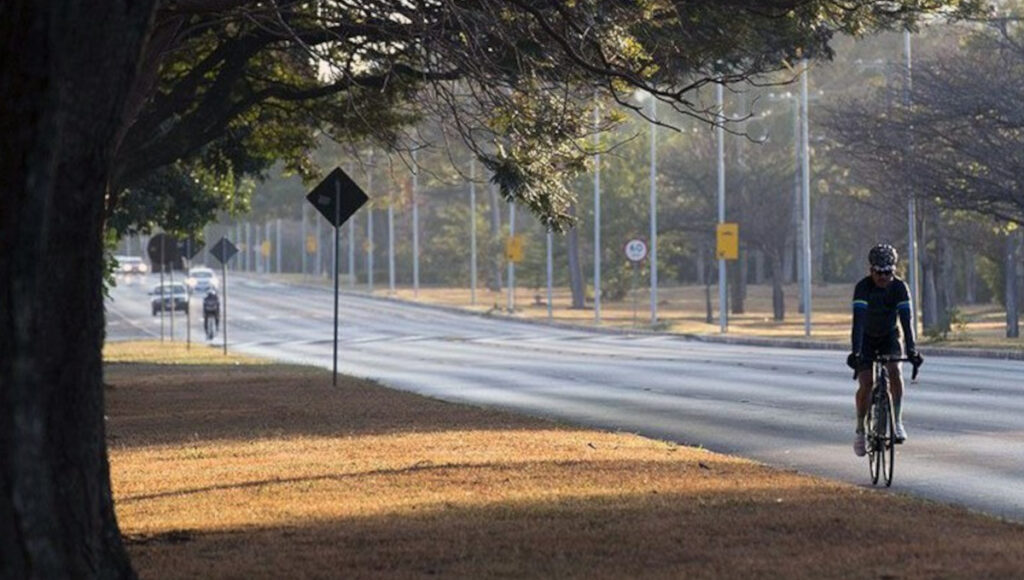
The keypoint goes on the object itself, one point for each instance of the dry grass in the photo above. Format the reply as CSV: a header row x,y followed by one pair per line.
x,y
266,471
682,309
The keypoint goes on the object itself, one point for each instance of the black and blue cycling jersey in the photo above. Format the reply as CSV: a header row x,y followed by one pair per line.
x,y
876,310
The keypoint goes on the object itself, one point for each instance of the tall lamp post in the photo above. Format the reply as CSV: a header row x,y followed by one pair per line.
x,y
723,315
654,210
472,231
597,221
415,227
805,171
912,256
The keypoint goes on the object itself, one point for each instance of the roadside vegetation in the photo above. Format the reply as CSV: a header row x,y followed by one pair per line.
x,y
245,469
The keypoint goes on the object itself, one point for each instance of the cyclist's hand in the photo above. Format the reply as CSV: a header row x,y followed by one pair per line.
x,y
915,358
853,360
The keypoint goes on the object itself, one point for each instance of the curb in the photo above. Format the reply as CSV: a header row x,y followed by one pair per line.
x,y
796,343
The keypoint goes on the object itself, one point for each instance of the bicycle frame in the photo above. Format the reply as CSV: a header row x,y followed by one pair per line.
x,y
882,421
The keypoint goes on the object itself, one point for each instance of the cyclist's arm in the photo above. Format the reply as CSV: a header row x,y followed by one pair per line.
x,y
904,310
860,314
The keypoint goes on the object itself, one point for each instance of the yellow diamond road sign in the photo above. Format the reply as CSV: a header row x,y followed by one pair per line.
x,y
727,236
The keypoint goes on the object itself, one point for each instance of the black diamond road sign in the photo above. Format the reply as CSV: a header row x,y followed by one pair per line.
x,y
223,250
190,247
324,195
163,251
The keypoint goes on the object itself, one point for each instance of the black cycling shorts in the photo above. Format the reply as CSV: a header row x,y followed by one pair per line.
x,y
873,345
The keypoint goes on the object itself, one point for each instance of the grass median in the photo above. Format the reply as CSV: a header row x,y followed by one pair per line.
x,y
244,469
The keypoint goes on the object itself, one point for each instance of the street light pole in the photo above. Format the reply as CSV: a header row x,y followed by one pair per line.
x,y
351,243
551,274
369,234
805,171
654,210
415,228
723,315
391,241
472,231
597,221
912,256
511,261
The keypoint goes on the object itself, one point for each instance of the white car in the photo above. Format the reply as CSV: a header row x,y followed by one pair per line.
x,y
201,280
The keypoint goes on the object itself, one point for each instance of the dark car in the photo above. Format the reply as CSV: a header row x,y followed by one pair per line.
x,y
169,297
131,265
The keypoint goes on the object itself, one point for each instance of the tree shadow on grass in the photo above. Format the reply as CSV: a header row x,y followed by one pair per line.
x,y
788,533
168,404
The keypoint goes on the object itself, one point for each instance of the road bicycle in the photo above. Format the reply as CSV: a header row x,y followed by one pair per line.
x,y
880,429
210,325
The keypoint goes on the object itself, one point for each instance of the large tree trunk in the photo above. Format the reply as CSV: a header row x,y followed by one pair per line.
x,y
575,271
66,70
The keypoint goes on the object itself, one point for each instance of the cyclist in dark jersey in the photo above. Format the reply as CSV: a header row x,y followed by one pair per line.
x,y
879,300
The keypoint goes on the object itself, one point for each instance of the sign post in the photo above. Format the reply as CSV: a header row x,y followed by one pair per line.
x,y
636,252
189,247
337,198
163,253
224,250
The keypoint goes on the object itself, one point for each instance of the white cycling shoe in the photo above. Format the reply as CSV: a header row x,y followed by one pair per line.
x,y
900,435
860,448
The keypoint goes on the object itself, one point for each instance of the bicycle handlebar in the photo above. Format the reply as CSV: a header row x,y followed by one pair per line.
x,y
888,358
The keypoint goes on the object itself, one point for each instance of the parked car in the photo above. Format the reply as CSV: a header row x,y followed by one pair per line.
x,y
131,265
169,296
201,280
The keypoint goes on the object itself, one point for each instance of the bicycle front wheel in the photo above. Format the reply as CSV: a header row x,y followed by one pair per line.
x,y
874,452
887,451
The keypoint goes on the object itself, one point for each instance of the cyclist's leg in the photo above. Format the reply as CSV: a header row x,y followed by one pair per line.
x,y
896,385
863,398
865,379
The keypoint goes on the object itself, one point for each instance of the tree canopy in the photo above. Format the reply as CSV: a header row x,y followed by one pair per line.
x,y
229,87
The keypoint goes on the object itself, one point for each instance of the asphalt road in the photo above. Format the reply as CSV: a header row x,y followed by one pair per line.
x,y
791,408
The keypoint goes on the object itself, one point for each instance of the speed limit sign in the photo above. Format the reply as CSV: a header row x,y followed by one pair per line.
x,y
636,250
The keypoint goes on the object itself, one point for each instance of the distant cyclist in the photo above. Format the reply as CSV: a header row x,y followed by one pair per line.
x,y
211,313
878,300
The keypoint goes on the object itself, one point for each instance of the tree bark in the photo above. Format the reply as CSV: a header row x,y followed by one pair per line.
x,y
575,271
66,70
